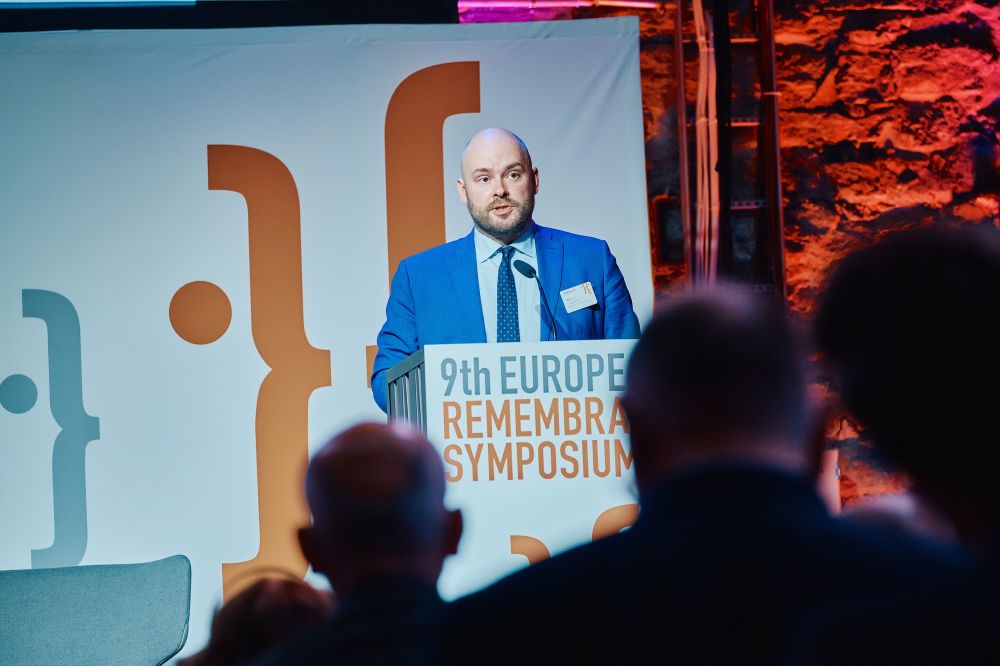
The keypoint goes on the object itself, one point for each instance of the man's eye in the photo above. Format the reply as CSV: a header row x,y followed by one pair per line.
x,y
514,174
483,179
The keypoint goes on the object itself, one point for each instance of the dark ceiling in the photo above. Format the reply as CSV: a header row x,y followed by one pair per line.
x,y
224,14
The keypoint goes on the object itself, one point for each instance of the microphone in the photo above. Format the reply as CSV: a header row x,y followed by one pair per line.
x,y
525,269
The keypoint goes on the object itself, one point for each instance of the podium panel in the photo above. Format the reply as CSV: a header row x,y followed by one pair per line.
x,y
535,446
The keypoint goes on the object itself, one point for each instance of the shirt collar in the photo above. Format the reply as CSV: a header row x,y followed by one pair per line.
x,y
486,247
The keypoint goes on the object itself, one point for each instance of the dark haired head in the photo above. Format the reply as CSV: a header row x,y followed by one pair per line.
x,y
265,614
911,327
715,372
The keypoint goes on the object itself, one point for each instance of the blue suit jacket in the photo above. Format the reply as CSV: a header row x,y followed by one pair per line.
x,y
434,298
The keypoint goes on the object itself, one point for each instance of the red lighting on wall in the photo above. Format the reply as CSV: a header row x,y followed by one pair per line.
x,y
464,5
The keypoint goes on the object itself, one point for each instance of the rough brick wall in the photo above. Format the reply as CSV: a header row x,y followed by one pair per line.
x,y
888,120
888,117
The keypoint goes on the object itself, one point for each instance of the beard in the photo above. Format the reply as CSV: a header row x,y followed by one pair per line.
x,y
506,230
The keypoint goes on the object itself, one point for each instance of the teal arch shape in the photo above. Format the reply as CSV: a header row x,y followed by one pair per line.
x,y
77,428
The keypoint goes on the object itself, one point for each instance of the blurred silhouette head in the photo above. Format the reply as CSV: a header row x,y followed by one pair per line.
x,y
909,328
717,376
267,613
376,493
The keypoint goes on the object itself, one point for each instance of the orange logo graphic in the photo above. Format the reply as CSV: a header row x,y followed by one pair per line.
x,y
612,521
200,313
414,162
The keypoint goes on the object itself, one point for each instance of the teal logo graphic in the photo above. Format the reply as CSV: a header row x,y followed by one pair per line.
x,y
18,395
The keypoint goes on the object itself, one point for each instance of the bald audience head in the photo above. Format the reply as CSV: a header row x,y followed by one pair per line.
x,y
717,376
376,493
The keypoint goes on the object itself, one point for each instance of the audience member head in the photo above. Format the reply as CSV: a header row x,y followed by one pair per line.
x,y
376,493
910,328
265,614
718,375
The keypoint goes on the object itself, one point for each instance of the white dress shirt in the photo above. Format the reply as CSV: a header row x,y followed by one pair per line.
x,y
488,257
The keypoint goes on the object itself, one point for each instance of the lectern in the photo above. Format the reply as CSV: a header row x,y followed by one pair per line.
x,y
406,390
534,443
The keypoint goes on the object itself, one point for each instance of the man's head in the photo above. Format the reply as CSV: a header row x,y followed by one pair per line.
x,y
265,614
910,328
376,493
717,376
498,183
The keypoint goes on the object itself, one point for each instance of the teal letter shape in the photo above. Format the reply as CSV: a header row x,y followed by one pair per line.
x,y
69,483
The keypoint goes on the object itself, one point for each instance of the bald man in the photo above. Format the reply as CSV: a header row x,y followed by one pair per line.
x,y
380,534
483,287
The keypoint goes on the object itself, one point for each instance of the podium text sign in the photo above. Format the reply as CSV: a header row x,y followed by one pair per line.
x,y
535,446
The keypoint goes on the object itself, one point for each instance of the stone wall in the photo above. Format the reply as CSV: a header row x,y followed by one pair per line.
x,y
888,118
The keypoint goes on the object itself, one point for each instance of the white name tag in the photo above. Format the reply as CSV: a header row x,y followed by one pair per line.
x,y
578,297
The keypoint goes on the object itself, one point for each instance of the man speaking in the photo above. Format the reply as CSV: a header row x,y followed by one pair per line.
x,y
509,279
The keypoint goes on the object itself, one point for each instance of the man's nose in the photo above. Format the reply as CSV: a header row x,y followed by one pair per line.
x,y
500,188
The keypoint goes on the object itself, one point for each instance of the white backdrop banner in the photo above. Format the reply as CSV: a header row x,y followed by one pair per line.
x,y
197,232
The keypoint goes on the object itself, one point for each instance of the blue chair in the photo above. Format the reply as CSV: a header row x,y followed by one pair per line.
x,y
107,614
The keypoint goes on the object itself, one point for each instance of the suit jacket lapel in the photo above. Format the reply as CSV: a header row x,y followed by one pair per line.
x,y
550,263
468,310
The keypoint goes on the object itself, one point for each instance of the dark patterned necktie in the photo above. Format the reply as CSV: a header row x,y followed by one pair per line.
x,y
508,328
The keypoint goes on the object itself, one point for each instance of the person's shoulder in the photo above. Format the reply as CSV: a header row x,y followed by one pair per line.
x,y
569,238
567,593
552,578
899,555
431,258
947,623
305,649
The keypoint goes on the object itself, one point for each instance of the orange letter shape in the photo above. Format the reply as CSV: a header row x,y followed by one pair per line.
x,y
614,520
530,547
414,163
297,368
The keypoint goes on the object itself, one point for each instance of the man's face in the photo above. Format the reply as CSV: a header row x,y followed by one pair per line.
x,y
498,185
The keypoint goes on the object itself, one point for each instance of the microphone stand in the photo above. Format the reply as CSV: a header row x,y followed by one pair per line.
x,y
528,271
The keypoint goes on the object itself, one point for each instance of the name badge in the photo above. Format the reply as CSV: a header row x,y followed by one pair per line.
x,y
578,297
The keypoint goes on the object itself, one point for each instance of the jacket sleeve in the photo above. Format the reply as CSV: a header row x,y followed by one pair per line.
x,y
620,321
398,337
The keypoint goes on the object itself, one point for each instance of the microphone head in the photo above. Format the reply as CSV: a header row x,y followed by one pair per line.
x,y
524,269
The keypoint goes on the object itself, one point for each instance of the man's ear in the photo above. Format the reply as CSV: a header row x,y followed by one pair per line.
x,y
453,531
534,172
460,186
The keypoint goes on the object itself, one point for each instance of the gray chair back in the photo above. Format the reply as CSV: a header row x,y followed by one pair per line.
x,y
134,614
